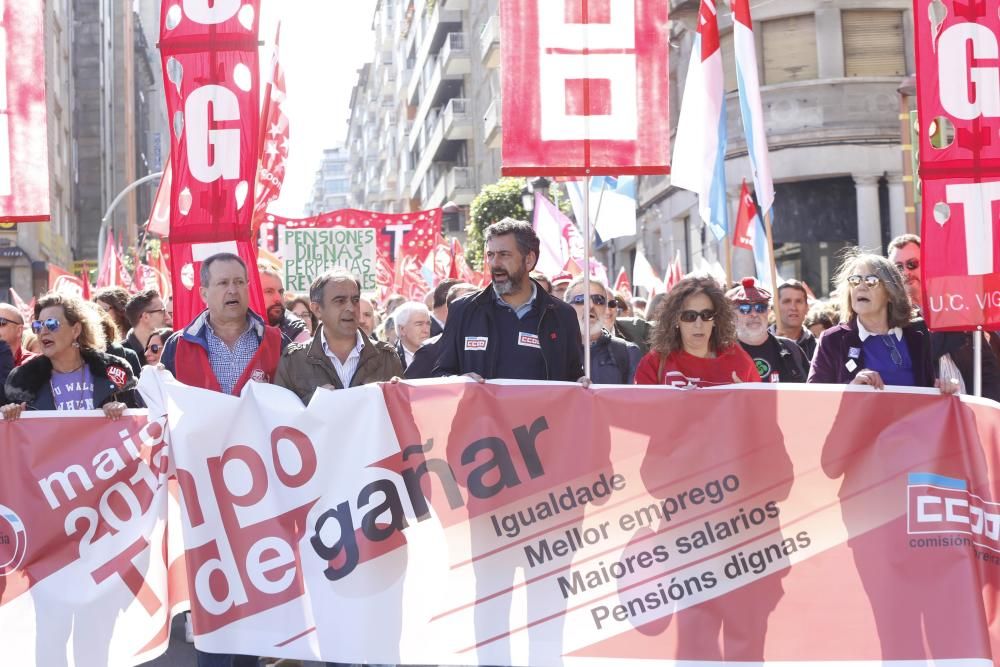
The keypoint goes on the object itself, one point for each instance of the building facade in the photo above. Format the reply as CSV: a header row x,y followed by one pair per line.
x,y
332,188
831,72
425,117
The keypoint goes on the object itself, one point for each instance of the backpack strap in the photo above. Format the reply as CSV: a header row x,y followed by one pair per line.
x,y
619,352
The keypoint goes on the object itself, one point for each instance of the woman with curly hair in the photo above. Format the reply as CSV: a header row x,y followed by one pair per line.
x,y
878,344
73,371
694,340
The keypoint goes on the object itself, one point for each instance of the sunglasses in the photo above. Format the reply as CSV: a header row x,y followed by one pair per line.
x,y
154,348
596,299
909,265
157,310
747,308
870,280
4,322
52,324
692,315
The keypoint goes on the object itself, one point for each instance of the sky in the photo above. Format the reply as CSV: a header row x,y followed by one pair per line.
x,y
323,44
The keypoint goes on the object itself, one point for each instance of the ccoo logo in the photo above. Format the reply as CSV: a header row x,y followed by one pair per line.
x,y
13,541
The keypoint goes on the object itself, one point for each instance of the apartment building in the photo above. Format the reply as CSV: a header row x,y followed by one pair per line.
x,y
332,188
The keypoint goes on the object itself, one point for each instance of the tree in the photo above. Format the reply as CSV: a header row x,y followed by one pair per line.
x,y
495,202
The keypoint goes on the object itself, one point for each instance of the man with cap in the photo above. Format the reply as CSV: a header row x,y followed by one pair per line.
x,y
560,283
778,359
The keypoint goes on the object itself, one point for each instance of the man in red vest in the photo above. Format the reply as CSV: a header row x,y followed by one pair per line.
x,y
228,344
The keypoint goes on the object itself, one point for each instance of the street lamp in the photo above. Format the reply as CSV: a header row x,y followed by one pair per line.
x,y
539,184
106,220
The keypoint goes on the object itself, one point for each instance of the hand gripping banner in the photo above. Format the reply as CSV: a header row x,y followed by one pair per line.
x,y
585,87
958,85
212,82
447,522
24,155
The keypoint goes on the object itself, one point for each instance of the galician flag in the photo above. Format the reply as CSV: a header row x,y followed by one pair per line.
x,y
750,104
699,163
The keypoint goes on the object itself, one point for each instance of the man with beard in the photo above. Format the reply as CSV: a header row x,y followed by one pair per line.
x,y
512,329
778,359
293,330
904,252
613,360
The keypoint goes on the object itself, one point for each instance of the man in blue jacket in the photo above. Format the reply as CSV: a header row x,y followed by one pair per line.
x,y
512,329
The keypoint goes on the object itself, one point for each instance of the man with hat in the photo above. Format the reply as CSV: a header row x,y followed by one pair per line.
x,y
778,359
560,283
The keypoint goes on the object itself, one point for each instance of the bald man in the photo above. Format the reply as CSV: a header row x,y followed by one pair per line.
x,y
12,331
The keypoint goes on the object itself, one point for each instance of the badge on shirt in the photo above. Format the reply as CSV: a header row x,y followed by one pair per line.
x,y
117,376
851,365
854,353
259,376
528,340
476,342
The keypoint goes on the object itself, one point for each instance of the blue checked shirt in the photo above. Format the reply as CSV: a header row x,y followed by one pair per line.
x,y
229,364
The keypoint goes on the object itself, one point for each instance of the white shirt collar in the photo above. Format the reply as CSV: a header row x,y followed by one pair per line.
x,y
863,333
359,345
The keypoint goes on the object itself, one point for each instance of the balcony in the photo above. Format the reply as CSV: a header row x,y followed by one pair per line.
x,y
454,57
437,90
460,186
492,130
489,43
456,120
434,30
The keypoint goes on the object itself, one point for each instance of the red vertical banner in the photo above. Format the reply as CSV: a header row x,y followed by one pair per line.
x,y
24,154
585,87
958,89
212,82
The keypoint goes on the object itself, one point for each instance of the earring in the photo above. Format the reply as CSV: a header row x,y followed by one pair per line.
x,y
76,343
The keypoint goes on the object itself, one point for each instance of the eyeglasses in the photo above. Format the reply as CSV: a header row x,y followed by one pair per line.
x,y
909,265
596,299
52,324
692,315
870,280
154,348
157,310
4,322
894,354
747,308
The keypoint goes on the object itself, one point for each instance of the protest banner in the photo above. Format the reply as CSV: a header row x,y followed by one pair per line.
x,y
24,155
448,522
310,252
958,86
212,85
84,546
585,87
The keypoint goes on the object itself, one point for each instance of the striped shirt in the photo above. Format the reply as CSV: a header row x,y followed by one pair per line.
x,y
345,370
228,364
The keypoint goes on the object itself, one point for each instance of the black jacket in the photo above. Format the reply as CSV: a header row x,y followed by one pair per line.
x,y
424,359
113,381
472,316
613,360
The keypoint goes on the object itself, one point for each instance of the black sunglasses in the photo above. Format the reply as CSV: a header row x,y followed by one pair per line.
x,y
910,265
52,324
154,348
747,308
692,315
596,299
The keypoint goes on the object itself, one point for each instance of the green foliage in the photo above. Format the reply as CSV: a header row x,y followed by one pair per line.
x,y
496,202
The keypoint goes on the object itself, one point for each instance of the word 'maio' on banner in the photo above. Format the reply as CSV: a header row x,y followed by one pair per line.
x,y
212,84
24,155
585,87
958,86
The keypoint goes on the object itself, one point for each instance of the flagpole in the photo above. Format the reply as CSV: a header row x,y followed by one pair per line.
x,y
977,351
729,261
770,254
586,275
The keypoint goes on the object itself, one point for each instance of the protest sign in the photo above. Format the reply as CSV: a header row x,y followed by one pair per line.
x,y
310,252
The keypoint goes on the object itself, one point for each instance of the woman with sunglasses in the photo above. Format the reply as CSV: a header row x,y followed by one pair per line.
x,y
694,340
154,346
73,372
876,345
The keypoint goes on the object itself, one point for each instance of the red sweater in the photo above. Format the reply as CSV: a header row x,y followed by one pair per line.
x,y
681,369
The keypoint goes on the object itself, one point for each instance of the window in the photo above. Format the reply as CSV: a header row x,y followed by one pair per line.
x,y
873,43
729,62
790,49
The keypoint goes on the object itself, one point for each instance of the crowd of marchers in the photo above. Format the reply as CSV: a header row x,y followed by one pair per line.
x,y
72,354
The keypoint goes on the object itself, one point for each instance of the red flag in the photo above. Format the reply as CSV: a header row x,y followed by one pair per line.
x,y
109,268
159,217
61,280
674,272
274,141
27,310
587,95
622,283
212,83
743,236
24,164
